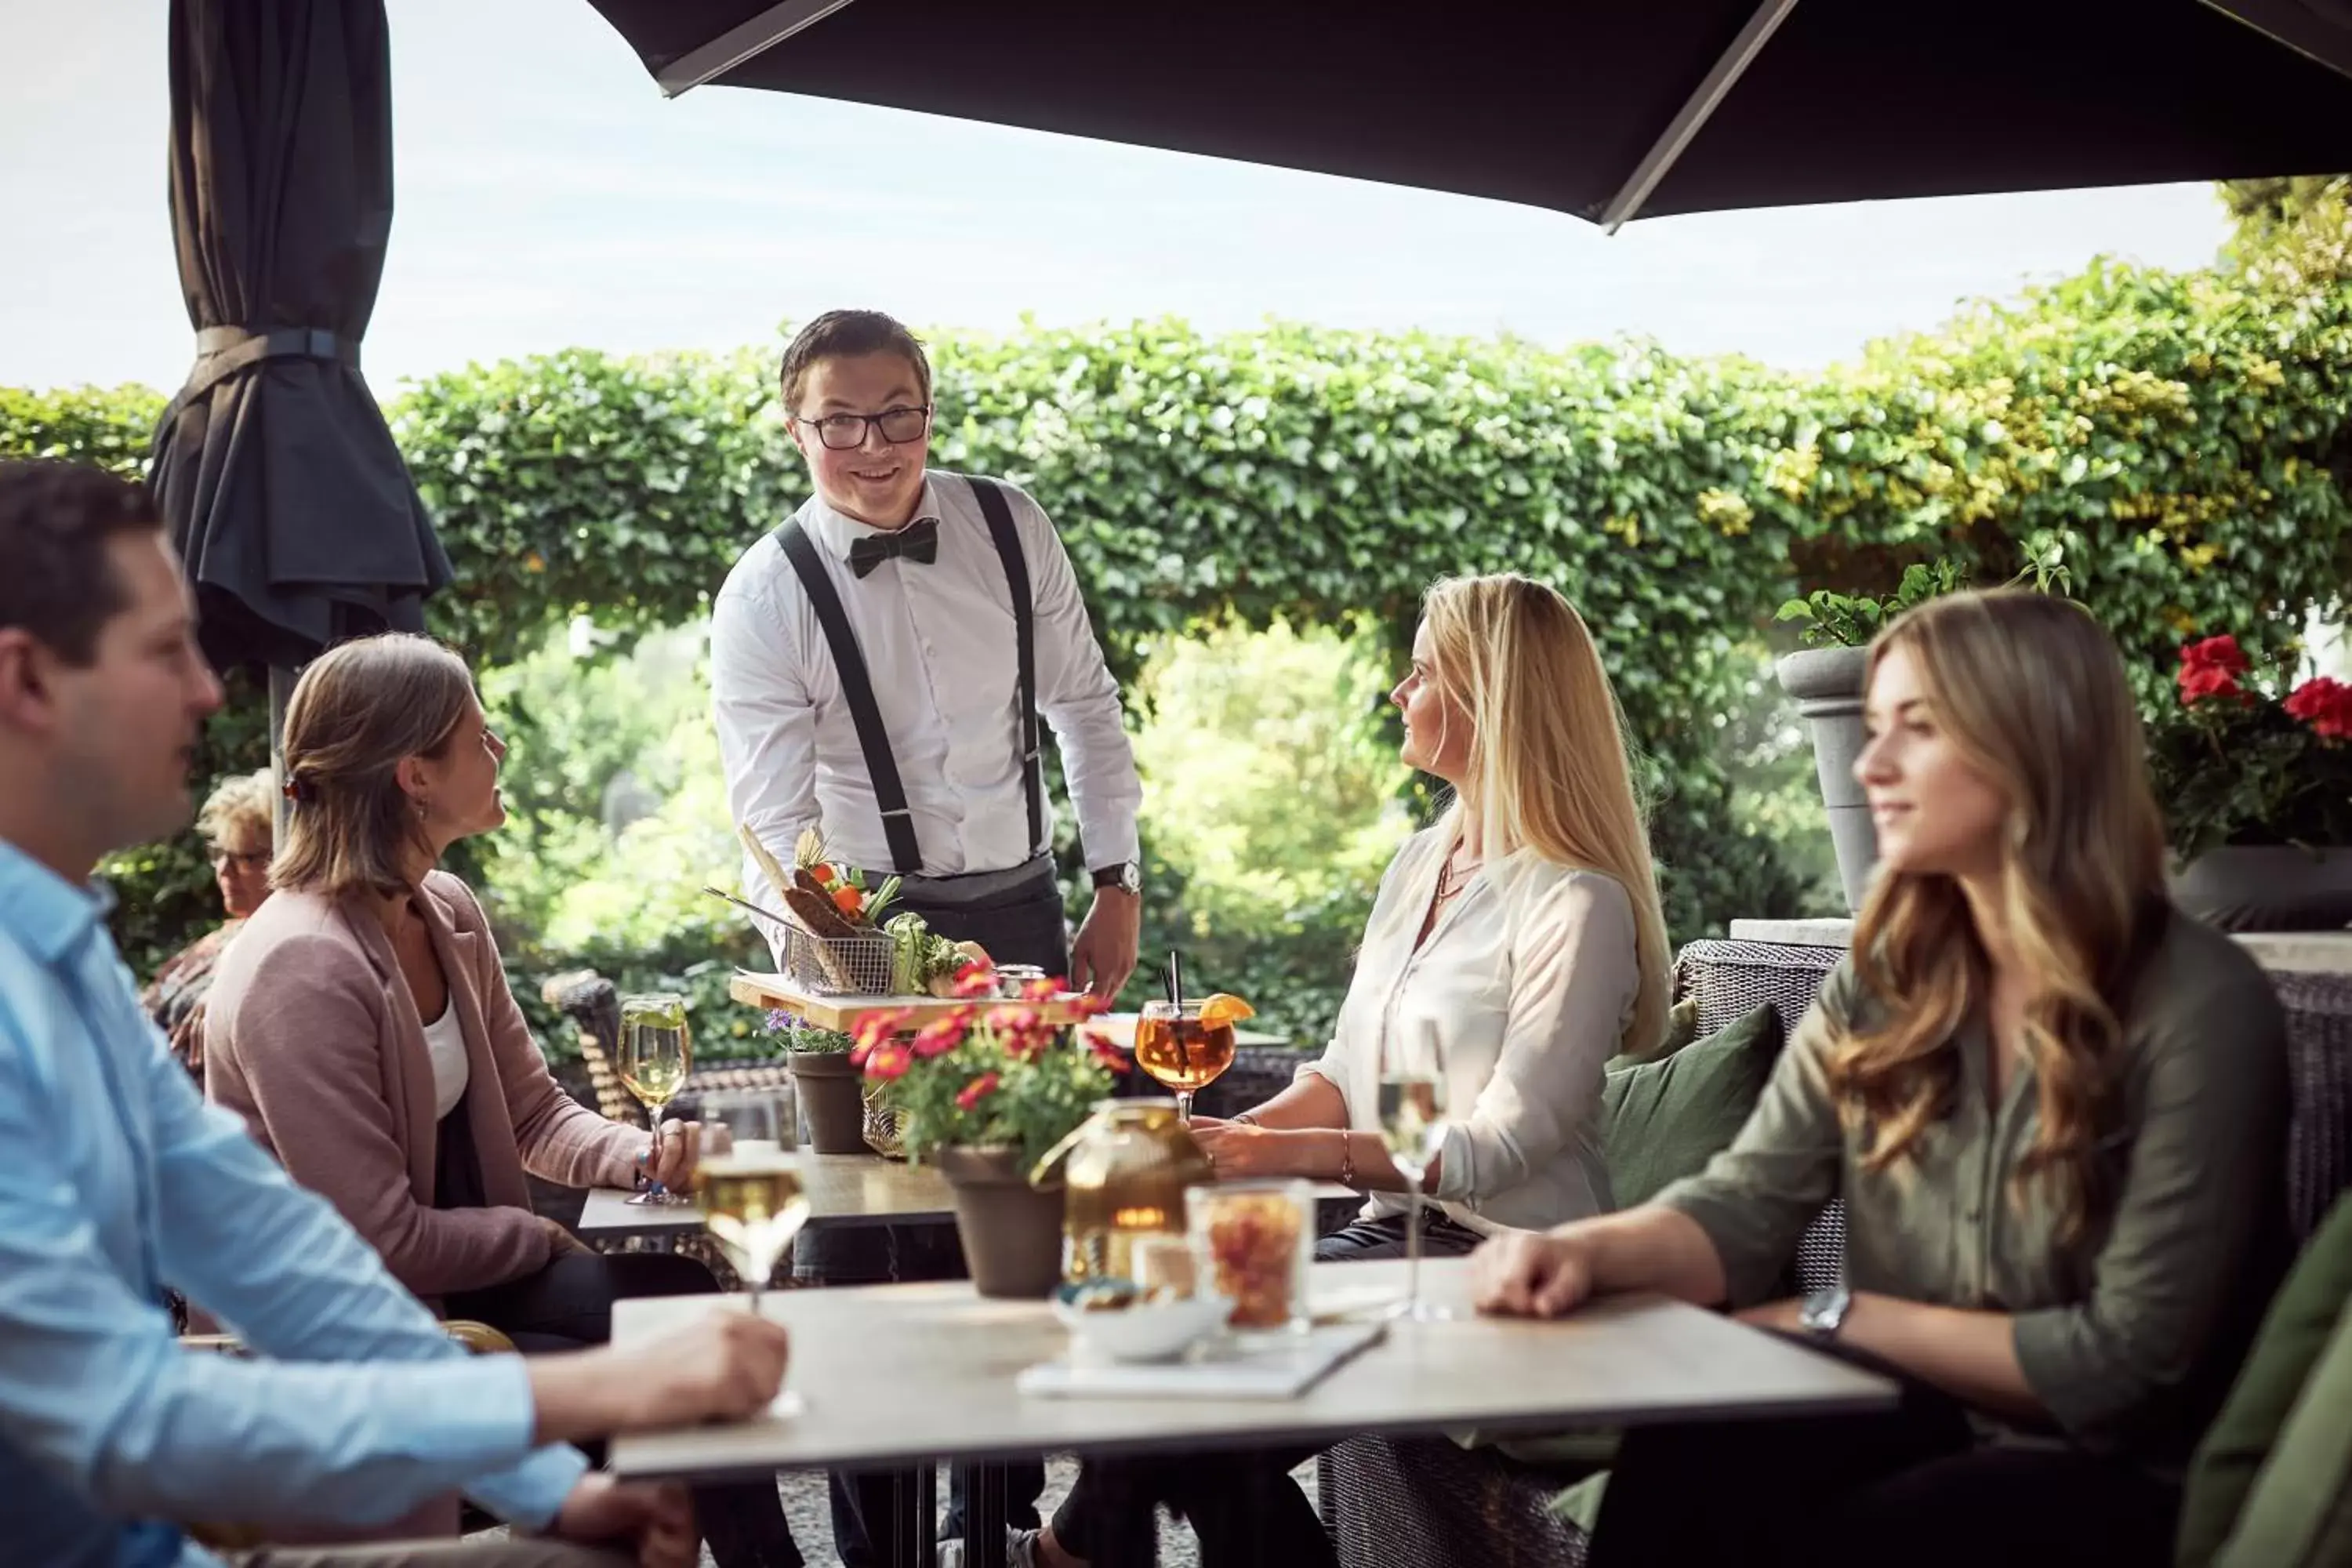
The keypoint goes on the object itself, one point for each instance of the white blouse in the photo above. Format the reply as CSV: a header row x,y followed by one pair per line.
x,y
1526,987
445,1042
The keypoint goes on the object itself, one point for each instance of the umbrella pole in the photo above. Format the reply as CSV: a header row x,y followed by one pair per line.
x,y
1668,149
281,688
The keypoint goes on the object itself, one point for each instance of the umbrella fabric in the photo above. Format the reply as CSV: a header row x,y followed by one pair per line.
x,y
291,508
1555,105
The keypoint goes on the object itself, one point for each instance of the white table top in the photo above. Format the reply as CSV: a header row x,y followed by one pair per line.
x,y
843,1189
897,1373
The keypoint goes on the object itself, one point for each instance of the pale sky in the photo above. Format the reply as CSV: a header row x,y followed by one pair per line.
x,y
548,197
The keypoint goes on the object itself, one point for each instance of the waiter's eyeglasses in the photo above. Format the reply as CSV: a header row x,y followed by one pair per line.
x,y
840,432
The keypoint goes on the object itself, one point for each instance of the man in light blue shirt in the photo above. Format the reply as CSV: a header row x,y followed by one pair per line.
x,y
121,1181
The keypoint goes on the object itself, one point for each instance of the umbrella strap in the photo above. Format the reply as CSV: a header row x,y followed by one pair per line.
x,y
223,352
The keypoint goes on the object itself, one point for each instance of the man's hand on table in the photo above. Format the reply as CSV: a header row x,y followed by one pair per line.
x,y
655,1520
726,1366
1528,1274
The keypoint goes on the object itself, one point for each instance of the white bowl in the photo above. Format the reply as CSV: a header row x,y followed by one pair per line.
x,y
1147,1331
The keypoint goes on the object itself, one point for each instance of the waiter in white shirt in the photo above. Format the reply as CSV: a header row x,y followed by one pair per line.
x,y
879,664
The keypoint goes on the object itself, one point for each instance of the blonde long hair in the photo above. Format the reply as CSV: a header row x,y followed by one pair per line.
x,y
1549,767
2032,692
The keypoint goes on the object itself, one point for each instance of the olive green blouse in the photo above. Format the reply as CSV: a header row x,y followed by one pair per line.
x,y
2129,1336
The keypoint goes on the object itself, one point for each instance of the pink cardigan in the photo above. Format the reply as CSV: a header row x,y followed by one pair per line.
x,y
311,1036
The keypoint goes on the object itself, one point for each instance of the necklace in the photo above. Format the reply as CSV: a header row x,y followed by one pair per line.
x,y
1453,876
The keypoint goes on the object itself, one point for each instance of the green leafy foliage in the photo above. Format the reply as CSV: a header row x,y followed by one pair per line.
x,y
2181,442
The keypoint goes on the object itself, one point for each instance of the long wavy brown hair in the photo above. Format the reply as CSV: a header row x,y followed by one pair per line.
x,y
2032,691
1549,769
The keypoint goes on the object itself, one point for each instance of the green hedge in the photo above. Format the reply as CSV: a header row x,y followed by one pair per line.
x,y
2185,437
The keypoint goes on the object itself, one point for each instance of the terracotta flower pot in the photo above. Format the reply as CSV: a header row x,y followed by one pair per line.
x,y
831,1102
1011,1231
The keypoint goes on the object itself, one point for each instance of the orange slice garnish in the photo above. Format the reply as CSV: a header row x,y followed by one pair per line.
x,y
1221,1010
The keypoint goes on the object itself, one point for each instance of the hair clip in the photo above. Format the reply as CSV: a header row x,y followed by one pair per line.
x,y
298,790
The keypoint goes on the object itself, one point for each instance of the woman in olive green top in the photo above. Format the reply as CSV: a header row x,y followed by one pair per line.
x,y
2055,1109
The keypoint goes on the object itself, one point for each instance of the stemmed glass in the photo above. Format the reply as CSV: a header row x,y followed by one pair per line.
x,y
653,1060
1413,1125
748,1180
1181,1049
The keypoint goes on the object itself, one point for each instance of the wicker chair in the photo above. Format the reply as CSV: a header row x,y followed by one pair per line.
x,y
1430,1500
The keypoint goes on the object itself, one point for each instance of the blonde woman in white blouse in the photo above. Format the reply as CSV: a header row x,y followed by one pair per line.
x,y
1523,933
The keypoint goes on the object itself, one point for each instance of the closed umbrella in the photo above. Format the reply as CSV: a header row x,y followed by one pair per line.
x,y
291,507
1598,107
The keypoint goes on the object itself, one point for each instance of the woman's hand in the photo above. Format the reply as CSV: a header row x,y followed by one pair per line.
x,y
677,1151
1238,1149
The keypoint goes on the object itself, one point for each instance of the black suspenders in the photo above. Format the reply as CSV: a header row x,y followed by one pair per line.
x,y
857,683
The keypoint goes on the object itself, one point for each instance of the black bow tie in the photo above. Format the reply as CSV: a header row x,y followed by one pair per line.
x,y
917,542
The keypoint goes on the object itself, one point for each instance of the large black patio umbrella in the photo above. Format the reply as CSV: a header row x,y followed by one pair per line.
x,y
1598,107
290,504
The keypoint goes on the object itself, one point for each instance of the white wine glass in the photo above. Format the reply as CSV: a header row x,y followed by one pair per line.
x,y
653,1060
748,1182
1413,1125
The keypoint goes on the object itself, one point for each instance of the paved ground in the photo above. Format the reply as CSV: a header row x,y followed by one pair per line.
x,y
804,1506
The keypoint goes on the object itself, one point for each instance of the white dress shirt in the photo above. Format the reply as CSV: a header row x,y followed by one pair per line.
x,y
1525,988
938,640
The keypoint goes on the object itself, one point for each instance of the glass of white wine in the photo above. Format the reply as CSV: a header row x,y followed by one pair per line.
x,y
1413,1125
654,1058
749,1181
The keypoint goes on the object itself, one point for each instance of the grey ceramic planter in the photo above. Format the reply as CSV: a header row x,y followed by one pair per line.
x,y
2268,886
1827,684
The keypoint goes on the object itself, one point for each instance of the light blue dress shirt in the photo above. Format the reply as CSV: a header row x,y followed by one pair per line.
x,y
118,1181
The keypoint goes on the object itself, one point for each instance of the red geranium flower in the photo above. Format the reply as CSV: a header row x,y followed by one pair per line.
x,y
1109,1054
872,1031
978,1089
889,1059
942,1034
2210,667
1040,990
975,980
2325,704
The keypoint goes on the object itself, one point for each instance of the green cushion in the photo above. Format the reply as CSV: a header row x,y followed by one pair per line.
x,y
2272,1426
1682,1028
1664,1120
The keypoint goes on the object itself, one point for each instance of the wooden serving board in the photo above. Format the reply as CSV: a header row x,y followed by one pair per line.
x,y
845,1013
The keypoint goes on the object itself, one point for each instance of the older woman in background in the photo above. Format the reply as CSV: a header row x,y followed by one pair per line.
x,y
236,823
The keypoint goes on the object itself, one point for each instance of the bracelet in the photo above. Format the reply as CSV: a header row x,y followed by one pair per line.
x,y
1346,1158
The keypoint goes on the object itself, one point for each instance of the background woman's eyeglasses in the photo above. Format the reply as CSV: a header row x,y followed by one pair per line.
x,y
842,432
243,859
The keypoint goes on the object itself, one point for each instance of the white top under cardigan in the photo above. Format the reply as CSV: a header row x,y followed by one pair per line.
x,y
1529,982
445,1042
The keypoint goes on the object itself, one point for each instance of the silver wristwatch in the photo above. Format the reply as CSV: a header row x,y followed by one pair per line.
x,y
1824,1311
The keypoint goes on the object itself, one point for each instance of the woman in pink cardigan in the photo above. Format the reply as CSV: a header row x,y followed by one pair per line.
x,y
363,1026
